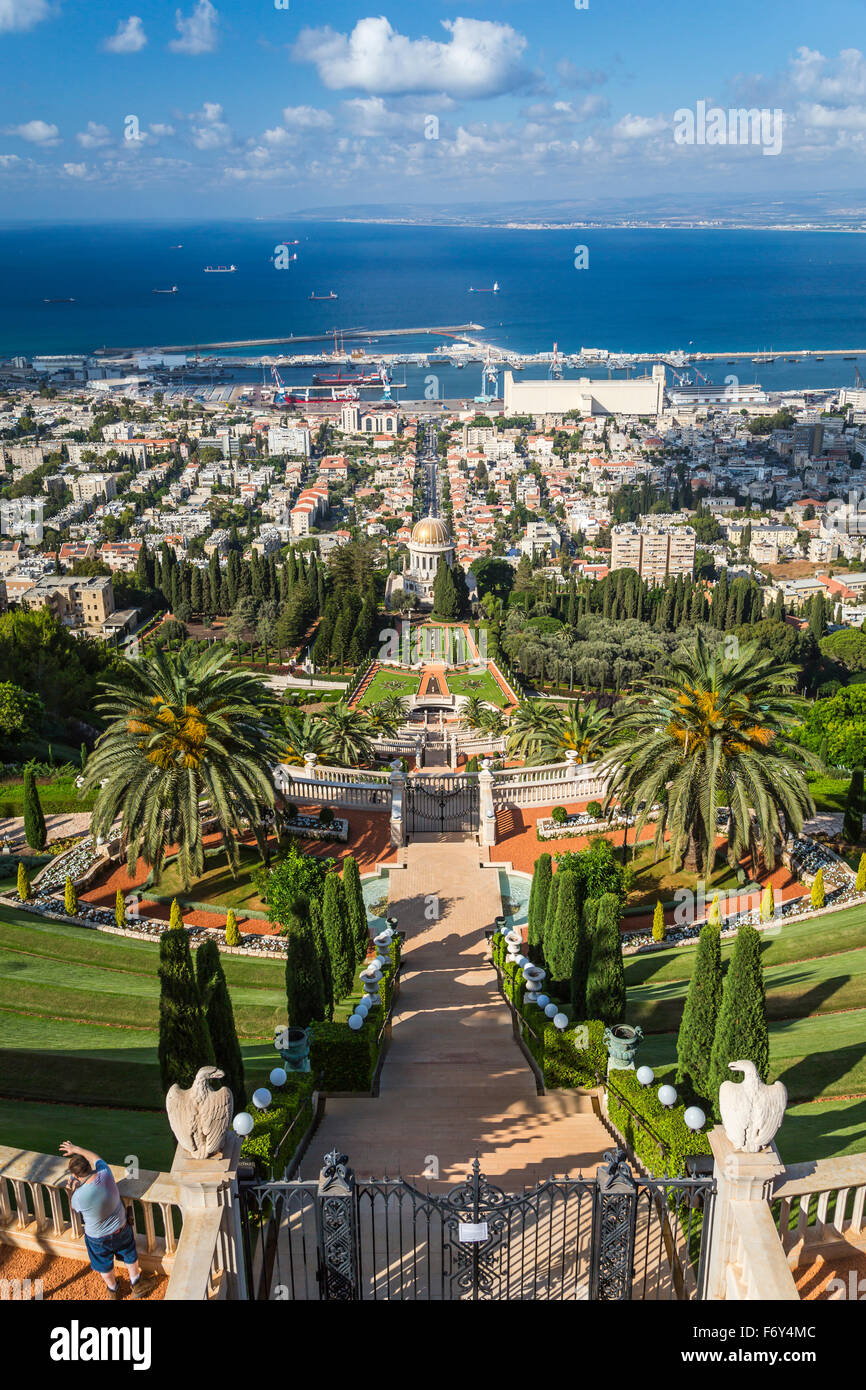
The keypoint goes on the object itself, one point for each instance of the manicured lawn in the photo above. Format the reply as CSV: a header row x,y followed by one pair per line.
x,y
654,879
79,1013
390,682
829,793
822,1056
824,1129
217,884
55,795
479,683
41,1127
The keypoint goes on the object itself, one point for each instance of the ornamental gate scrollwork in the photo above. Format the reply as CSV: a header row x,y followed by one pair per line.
x,y
609,1237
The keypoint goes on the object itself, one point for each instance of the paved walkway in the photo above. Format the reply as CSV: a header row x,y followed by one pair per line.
x,y
58,826
454,1082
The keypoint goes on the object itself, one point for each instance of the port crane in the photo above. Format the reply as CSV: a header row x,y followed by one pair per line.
x,y
554,371
489,377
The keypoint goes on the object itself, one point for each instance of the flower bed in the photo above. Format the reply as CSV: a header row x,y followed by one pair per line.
x,y
578,823
310,828
75,862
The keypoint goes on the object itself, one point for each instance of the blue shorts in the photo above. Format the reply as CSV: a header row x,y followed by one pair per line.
x,y
105,1249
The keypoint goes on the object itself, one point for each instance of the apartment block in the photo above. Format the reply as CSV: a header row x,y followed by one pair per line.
x,y
656,552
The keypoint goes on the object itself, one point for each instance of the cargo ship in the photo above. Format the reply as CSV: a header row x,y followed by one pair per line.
x,y
331,295
58,301
173,290
485,289
219,269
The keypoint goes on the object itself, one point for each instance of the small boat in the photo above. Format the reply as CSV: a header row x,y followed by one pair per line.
x,y
331,295
485,289
58,301
173,290
219,269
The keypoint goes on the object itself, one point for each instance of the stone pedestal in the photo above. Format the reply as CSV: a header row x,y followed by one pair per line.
x,y
744,1184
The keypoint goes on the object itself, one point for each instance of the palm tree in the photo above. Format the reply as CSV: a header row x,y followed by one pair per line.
x,y
183,729
387,716
527,724
558,729
493,723
347,739
302,733
473,712
711,732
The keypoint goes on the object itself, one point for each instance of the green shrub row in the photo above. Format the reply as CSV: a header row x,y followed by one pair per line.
x,y
260,1145
344,1059
668,1124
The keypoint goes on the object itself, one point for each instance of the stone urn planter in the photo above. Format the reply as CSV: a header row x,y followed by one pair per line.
x,y
622,1042
295,1049
534,977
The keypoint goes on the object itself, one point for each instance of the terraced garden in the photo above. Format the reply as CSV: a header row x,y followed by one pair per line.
x,y
79,1013
815,975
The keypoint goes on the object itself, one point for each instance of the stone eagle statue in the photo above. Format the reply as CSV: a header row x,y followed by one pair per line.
x,y
200,1117
751,1111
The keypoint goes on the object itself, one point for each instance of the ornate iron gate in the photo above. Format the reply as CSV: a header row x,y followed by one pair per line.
x,y
611,1237
441,805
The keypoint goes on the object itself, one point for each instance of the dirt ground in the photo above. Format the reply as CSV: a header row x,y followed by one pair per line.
x,y
63,1279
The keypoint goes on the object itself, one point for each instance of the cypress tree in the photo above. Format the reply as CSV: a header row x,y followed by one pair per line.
x,y
817,895
562,945
549,915
542,875
860,884
321,945
305,992
852,827
357,912
580,965
119,908
34,821
175,916
341,949
220,1018
741,1030
184,1040
700,1013
605,985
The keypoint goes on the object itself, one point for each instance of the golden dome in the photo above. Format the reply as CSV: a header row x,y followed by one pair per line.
x,y
430,531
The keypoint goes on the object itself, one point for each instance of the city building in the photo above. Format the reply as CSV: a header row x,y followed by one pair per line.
x,y
657,552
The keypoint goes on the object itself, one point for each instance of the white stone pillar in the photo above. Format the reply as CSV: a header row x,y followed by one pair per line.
x,y
397,780
744,1184
486,807
572,772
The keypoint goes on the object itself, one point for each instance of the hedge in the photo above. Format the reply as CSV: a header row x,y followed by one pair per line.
x,y
668,1124
344,1059
261,1143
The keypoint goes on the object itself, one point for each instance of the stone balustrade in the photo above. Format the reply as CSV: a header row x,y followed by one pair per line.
x,y
185,1221
819,1208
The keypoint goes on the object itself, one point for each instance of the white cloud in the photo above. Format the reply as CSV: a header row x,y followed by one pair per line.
x,y
129,37
94,137
639,127
75,171
158,130
36,132
198,31
481,59
307,118
22,14
212,132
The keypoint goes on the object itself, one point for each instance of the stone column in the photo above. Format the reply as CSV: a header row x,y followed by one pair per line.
x,y
310,760
212,1182
398,821
486,807
454,751
744,1183
572,772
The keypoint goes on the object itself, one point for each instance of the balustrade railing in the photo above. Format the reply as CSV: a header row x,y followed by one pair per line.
x,y
819,1205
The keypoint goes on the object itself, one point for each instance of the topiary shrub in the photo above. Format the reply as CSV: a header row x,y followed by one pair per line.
x,y
184,1040
605,986
220,1018
175,916
34,822
119,909
345,1060
860,884
233,936
70,898
817,895
659,923
24,889
594,809
326,817
559,815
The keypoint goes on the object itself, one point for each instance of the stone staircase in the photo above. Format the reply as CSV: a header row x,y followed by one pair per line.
x,y
454,1083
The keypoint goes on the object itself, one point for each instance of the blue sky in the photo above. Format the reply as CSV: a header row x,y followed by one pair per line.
x,y
257,107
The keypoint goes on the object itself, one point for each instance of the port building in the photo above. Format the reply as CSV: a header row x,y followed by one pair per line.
x,y
590,396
